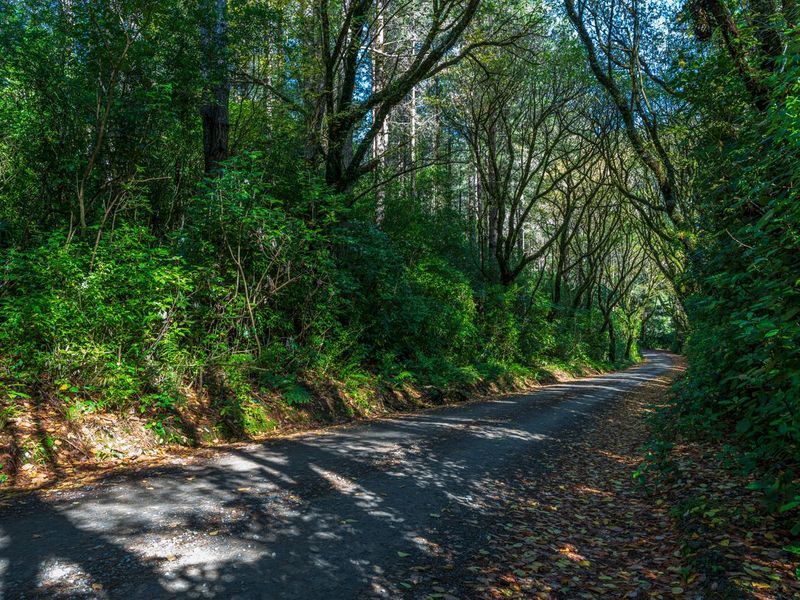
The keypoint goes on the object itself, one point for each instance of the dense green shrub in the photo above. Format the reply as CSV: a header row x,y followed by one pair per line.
x,y
266,288
744,349
111,316
499,325
444,310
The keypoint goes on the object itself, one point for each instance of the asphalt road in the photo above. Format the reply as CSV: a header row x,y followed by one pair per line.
x,y
342,514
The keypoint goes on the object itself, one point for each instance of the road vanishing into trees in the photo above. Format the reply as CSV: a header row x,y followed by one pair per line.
x,y
345,513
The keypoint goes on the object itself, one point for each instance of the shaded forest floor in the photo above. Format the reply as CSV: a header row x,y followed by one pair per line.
x,y
591,530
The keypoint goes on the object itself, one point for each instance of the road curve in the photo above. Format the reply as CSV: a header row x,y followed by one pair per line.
x,y
328,516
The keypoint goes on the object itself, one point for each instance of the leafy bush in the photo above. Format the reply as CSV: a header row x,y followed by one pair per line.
x,y
111,315
499,327
445,310
266,288
744,351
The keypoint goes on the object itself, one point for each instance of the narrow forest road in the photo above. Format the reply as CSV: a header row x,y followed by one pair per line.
x,y
342,514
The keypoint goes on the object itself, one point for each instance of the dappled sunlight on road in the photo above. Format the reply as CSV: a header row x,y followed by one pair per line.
x,y
297,516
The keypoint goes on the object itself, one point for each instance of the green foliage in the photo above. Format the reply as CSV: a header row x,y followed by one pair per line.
x,y
444,309
265,285
656,466
8,411
61,104
111,314
130,277
499,326
744,352
255,418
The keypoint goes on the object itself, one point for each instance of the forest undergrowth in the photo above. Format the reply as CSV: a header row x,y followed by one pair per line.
x,y
45,446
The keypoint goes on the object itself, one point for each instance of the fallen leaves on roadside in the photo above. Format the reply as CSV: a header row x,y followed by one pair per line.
x,y
587,530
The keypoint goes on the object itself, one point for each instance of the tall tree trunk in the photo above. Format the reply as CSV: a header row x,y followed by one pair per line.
x,y
629,346
472,206
559,276
414,142
214,112
612,342
479,225
437,143
563,249
381,143
493,225
492,193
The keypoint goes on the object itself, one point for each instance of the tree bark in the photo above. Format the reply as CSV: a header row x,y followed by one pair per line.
x,y
214,112
381,143
612,342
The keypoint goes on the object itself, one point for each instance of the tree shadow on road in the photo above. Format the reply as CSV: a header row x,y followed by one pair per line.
x,y
29,545
339,515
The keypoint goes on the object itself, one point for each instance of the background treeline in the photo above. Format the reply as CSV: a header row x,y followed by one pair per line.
x,y
232,198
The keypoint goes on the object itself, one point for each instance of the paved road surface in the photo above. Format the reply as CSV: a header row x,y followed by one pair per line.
x,y
319,516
